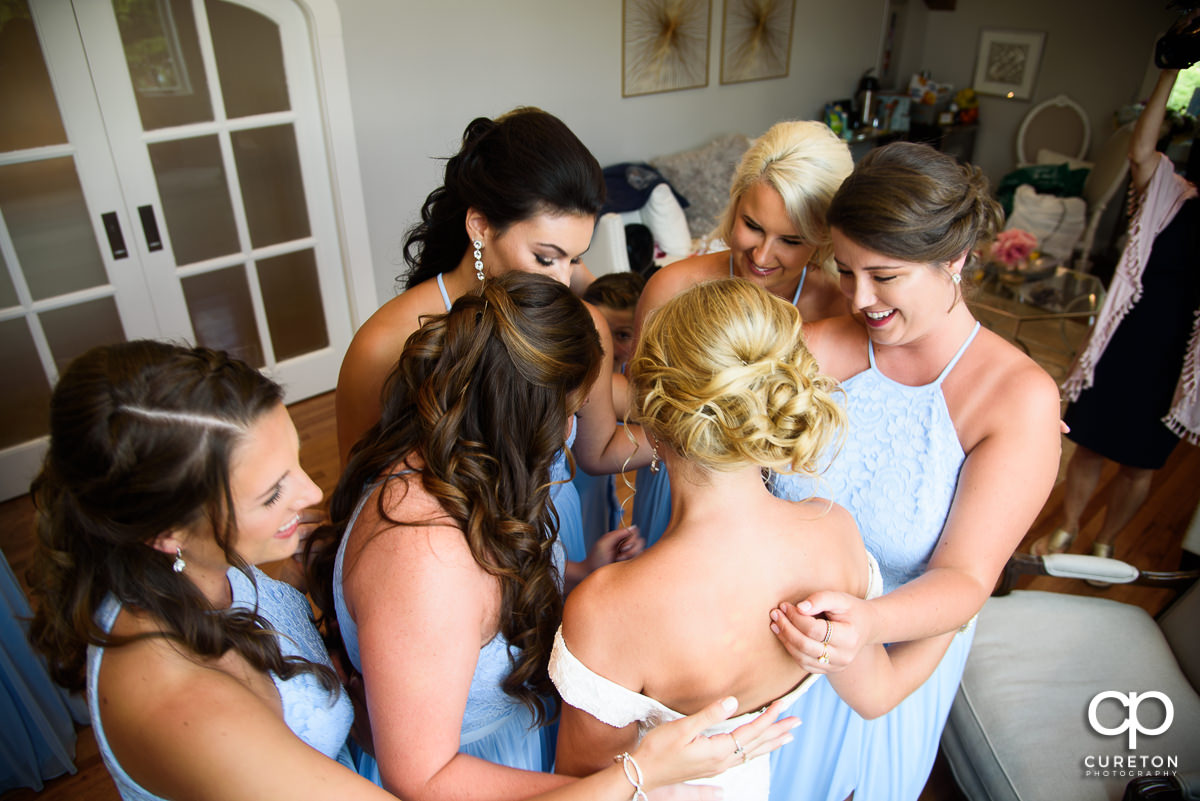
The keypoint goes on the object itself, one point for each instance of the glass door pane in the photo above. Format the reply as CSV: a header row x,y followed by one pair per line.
x,y
31,117
50,227
24,404
166,68
249,58
193,189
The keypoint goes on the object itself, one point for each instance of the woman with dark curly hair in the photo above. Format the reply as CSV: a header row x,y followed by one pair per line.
x,y
521,195
171,473
444,568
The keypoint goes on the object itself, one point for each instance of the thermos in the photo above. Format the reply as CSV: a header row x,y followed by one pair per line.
x,y
864,99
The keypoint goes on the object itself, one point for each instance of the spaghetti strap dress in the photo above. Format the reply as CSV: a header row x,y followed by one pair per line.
x,y
318,717
495,726
652,498
896,473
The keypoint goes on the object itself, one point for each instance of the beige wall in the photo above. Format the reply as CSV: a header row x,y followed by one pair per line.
x,y
419,71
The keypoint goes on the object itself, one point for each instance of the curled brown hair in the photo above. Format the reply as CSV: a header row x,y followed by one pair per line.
x,y
722,376
141,436
481,396
911,202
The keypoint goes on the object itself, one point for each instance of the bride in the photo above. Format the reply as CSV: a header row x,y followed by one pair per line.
x,y
725,386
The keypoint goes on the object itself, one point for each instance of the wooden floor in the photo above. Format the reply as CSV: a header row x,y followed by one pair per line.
x,y
1152,542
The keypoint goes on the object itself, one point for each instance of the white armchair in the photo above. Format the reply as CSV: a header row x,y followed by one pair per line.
x,y
1026,723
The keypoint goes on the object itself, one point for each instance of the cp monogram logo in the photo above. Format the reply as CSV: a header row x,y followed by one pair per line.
x,y
1131,724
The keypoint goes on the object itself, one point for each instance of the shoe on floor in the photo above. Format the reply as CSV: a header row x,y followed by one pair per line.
x,y
1059,541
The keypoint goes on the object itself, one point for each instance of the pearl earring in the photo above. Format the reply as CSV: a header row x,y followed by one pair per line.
x,y
478,259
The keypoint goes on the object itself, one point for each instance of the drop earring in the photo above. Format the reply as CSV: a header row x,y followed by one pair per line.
x,y
478,259
178,565
655,464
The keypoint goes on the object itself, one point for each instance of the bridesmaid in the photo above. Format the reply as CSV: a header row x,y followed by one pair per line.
x,y
952,448
520,195
774,226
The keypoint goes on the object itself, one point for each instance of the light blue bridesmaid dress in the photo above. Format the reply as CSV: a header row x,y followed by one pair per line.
x,y
565,497
896,473
37,740
495,726
319,718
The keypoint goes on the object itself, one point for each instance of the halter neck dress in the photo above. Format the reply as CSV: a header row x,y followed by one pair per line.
x,y
652,500
320,718
896,473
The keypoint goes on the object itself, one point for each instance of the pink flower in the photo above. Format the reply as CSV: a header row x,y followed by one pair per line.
x,y
1013,247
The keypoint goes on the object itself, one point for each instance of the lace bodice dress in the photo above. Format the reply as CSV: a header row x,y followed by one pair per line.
x,y
319,718
896,473
619,706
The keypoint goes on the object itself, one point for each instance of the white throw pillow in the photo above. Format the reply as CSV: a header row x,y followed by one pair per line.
x,y
664,217
1057,222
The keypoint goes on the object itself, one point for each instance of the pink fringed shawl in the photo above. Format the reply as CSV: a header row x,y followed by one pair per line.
x,y
1163,198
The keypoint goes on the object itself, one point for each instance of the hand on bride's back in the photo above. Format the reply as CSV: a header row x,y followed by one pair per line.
x,y
835,625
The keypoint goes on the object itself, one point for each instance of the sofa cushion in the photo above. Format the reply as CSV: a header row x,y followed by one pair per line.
x,y
702,175
1019,727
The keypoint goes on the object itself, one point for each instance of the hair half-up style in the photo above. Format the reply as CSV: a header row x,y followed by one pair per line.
x,y
141,437
723,377
481,396
804,162
911,202
523,163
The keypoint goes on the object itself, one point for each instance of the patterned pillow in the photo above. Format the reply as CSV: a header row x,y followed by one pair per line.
x,y
703,175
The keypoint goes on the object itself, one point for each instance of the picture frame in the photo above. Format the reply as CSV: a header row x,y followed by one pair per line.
x,y
756,39
1008,62
664,45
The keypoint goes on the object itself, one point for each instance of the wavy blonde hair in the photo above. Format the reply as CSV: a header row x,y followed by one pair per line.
x,y
805,163
723,377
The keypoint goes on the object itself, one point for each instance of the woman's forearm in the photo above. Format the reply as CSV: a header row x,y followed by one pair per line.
x,y
939,601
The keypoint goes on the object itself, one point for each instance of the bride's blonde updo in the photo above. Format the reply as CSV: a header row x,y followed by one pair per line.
x,y
722,376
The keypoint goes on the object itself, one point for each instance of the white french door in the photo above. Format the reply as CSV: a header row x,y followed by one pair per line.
x,y
163,174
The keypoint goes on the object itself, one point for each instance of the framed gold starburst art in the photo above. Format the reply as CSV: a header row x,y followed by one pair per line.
x,y
756,39
664,45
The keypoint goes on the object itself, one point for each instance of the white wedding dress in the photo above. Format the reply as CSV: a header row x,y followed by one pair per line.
x,y
619,706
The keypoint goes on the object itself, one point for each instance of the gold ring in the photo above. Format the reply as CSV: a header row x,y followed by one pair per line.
x,y
824,657
737,747
828,631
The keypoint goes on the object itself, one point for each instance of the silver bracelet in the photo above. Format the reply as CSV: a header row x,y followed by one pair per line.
x,y
635,778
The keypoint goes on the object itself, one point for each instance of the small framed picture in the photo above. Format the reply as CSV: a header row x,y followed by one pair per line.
x,y
1008,63
756,39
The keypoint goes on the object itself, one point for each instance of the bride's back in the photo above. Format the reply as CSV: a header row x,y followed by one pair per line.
x,y
724,386
686,623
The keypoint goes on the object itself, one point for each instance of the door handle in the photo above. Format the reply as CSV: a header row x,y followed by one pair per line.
x,y
150,228
116,240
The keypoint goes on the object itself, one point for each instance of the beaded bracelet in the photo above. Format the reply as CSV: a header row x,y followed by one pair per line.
x,y
626,759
